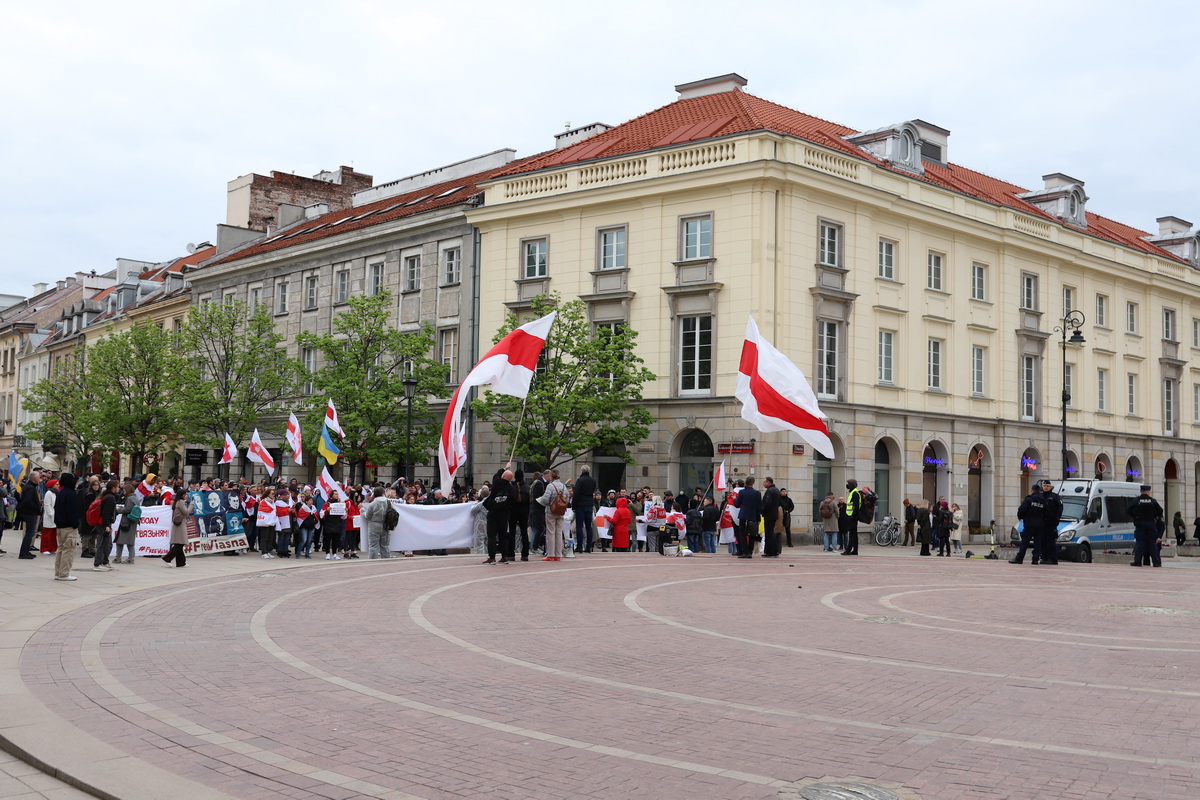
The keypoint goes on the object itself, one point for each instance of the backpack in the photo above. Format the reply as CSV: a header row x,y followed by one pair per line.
x,y
826,509
92,517
866,505
391,517
558,506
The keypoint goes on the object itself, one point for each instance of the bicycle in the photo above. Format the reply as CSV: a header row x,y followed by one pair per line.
x,y
887,531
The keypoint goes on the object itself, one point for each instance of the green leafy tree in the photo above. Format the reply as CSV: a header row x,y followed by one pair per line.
x,y
69,418
365,361
237,369
135,379
585,395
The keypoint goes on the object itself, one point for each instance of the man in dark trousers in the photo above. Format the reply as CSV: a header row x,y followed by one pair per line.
x,y
537,513
1050,524
581,502
771,502
848,521
749,504
29,510
1147,517
518,521
1033,513
499,508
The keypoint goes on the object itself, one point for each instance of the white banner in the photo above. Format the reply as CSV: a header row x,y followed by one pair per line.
x,y
429,527
154,536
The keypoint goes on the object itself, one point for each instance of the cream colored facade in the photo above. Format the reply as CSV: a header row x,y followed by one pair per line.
x,y
980,436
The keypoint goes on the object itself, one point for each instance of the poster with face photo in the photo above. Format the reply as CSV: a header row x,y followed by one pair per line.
x,y
217,512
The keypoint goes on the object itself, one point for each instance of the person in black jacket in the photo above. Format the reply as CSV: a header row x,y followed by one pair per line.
x,y
104,531
924,527
788,506
518,519
749,504
537,514
581,502
66,518
499,508
771,501
712,520
29,509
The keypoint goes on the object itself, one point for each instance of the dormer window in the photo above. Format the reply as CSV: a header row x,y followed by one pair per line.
x,y
905,147
900,145
1062,197
1175,235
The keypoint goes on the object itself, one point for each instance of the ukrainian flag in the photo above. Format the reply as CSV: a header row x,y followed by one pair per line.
x,y
326,447
17,468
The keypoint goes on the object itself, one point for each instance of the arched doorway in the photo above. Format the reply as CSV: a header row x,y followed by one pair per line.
x,y
1173,494
1072,470
1031,462
609,465
980,490
935,471
695,461
1133,470
1103,468
826,476
889,481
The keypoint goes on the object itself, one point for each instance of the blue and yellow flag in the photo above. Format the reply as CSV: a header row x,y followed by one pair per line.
x,y
326,447
17,468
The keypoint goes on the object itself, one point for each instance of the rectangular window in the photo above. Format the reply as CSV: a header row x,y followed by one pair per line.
x,y
375,278
1168,407
281,297
255,298
1196,403
1068,300
934,273
451,266
829,244
978,282
1029,291
695,235
886,342
341,286
308,358
1069,384
310,292
827,359
229,297
412,273
1028,396
1131,317
606,330
1196,333
612,249
1102,390
935,364
887,260
534,258
1101,311
1169,331
448,352
1131,394
695,361
978,367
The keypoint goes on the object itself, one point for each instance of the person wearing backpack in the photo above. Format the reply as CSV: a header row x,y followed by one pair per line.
x,y
101,514
829,521
181,509
377,532
849,520
556,506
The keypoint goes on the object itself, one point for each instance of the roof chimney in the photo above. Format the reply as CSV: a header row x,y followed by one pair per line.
x,y
721,83
1173,226
574,135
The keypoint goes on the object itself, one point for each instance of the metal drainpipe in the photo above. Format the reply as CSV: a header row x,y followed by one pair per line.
x,y
474,334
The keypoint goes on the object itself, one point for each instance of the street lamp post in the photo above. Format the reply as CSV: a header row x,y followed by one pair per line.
x,y
410,391
1072,321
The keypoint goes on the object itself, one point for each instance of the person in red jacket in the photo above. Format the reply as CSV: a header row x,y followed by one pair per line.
x,y
620,525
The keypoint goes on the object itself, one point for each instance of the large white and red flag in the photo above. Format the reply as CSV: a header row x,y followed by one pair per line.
x,y
775,394
256,452
293,438
331,420
508,367
329,487
719,478
229,450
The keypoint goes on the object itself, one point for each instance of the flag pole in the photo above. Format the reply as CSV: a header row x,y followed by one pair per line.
x,y
520,423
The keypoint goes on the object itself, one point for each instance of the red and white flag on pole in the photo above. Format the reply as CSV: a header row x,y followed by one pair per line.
x,y
508,367
775,394
293,438
256,452
329,487
719,478
331,420
229,451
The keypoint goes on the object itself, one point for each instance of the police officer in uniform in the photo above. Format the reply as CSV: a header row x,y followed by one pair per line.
x,y
1147,514
1050,525
1033,513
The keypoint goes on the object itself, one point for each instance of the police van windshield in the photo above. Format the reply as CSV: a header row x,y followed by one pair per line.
x,y
1073,507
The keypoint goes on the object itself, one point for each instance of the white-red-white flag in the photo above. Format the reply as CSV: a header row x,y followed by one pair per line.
x,y
293,438
143,490
329,487
331,420
508,367
719,478
229,451
775,394
256,452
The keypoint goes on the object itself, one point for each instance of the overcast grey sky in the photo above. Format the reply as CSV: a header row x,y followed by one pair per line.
x,y
122,121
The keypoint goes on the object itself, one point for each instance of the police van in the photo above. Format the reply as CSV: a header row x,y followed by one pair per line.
x,y
1094,517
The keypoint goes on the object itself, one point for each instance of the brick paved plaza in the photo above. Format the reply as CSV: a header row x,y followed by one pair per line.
x,y
609,676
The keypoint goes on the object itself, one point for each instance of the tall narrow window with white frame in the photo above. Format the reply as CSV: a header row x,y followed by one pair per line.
x,y
695,355
1170,423
375,278
978,371
311,284
1068,300
1028,388
281,297
1131,317
1196,403
979,281
308,359
1169,331
1102,390
611,248
829,244
448,352
1069,384
1101,311
451,266
934,279
341,286
535,258
886,356
1131,394
935,365
695,238
887,259
1029,291
828,358
412,273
